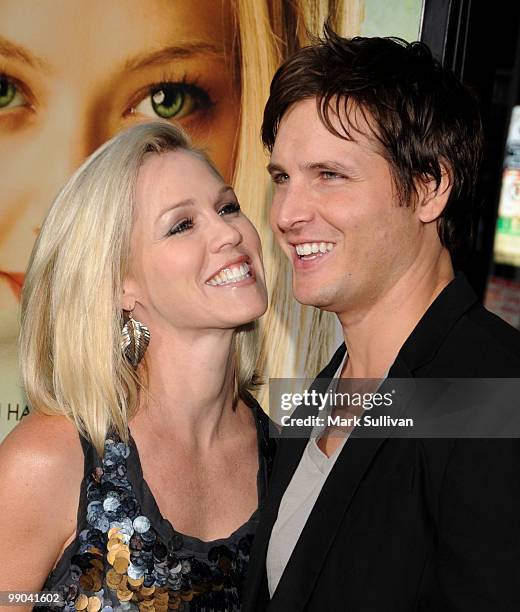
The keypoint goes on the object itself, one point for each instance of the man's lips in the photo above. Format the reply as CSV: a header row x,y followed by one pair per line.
x,y
15,281
306,259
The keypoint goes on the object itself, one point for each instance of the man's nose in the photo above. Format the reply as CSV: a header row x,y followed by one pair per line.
x,y
292,208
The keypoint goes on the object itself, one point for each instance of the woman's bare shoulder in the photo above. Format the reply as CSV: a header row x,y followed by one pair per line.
x,y
42,470
43,443
41,455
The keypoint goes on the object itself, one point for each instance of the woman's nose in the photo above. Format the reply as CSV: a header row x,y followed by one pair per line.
x,y
224,234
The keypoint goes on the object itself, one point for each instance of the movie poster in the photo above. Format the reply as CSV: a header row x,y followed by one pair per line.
x,y
73,74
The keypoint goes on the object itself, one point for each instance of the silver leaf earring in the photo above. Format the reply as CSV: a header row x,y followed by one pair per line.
x,y
134,339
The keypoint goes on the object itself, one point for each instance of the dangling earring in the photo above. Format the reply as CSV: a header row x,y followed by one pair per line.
x,y
134,339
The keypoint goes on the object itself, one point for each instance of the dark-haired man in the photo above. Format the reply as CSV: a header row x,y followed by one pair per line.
x,y
374,154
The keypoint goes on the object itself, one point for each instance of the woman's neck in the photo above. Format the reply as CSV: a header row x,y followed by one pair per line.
x,y
189,386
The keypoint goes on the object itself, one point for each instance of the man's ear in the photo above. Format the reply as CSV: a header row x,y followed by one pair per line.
x,y
432,198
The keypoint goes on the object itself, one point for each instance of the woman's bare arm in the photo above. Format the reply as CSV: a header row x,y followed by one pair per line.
x,y
41,468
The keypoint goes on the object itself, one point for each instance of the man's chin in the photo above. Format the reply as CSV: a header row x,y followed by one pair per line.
x,y
311,298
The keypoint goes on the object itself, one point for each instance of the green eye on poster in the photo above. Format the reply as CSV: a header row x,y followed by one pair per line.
x,y
89,70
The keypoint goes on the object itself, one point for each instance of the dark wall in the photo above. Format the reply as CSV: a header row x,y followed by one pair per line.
x,y
480,42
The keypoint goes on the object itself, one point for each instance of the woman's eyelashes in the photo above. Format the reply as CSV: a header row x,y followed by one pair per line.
x,y
227,209
11,95
188,223
181,227
172,100
165,100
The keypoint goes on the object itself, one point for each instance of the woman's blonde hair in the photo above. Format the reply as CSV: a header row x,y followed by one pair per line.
x,y
70,344
268,32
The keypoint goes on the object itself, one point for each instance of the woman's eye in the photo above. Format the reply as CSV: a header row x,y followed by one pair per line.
x,y
10,95
233,207
173,101
181,227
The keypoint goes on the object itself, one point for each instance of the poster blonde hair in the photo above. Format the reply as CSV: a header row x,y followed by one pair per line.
x,y
268,33
70,343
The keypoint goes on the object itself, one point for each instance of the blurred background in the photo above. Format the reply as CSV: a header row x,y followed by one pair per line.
x,y
480,42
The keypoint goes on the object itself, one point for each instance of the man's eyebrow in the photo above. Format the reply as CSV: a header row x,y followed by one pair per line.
x,y
18,52
167,54
327,164
272,168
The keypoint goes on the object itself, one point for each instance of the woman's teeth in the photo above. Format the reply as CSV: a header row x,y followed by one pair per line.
x,y
233,274
311,248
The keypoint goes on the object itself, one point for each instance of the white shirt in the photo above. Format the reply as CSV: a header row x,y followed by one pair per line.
x,y
298,501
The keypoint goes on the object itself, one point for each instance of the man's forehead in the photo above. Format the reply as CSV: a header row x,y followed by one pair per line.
x,y
304,130
338,111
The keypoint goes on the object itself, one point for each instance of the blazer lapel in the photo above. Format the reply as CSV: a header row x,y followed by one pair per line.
x,y
312,548
328,513
288,454
304,566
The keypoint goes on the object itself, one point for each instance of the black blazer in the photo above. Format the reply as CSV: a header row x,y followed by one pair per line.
x,y
410,524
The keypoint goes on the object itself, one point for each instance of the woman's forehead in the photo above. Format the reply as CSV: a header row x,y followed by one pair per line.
x,y
61,31
175,176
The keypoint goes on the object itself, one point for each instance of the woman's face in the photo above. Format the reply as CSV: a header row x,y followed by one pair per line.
x,y
195,258
72,74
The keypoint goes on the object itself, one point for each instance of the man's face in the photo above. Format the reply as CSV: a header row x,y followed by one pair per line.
x,y
336,214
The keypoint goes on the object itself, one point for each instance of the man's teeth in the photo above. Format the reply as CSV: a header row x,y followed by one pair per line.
x,y
311,248
233,274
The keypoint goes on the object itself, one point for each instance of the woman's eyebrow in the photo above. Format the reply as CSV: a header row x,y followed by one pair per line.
x,y
18,52
176,52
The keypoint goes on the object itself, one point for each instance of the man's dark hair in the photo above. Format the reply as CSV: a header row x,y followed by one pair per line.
x,y
425,120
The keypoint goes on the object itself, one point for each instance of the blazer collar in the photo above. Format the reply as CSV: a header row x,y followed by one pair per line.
x,y
323,523
423,343
338,491
429,333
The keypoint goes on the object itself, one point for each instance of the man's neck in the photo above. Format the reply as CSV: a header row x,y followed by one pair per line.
x,y
375,336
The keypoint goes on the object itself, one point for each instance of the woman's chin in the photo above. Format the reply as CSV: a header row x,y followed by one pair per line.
x,y
10,290
247,316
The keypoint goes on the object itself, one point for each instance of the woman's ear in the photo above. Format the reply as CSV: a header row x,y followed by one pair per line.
x,y
129,294
432,198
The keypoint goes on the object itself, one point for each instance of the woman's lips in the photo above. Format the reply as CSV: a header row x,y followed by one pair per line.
x,y
15,281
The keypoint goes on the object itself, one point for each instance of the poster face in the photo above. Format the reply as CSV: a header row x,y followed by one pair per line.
x,y
74,74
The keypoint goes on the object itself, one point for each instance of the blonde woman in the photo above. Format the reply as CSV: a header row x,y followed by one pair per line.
x,y
92,69
136,480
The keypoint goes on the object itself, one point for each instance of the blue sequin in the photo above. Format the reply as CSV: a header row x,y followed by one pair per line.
x,y
195,584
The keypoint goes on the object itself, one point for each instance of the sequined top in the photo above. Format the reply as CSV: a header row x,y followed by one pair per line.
x,y
126,556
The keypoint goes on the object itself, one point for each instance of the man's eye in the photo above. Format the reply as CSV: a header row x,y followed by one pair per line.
x,y
173,100
181,227
280,178
233,207
10,94
330,175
